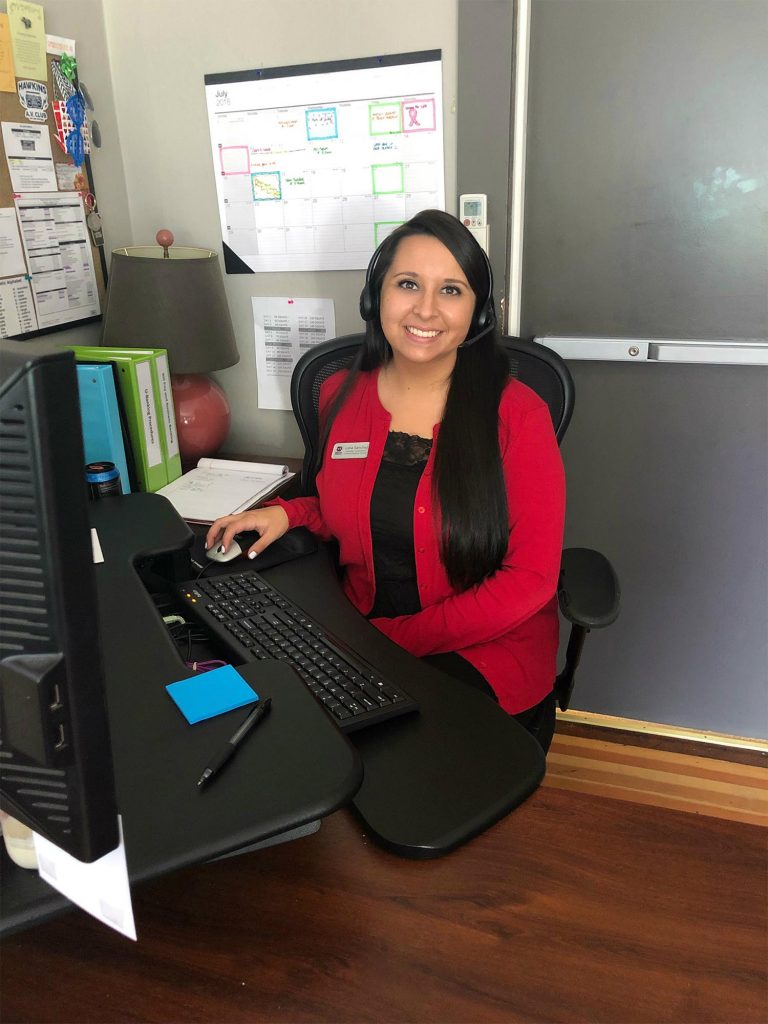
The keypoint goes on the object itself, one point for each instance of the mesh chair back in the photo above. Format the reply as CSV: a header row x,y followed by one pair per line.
x,y
312,370
544,372
538,367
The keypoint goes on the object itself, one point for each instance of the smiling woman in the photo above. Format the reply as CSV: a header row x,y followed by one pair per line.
x,y
426,312
449,517
426,308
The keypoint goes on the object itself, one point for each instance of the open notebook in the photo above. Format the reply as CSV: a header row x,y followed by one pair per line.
x,y
223,487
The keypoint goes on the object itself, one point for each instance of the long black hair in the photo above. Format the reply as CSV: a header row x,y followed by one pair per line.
x,y
468,480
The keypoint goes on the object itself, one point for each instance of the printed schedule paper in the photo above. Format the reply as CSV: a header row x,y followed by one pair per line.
x,y
17,310
59,256
11,256
284,329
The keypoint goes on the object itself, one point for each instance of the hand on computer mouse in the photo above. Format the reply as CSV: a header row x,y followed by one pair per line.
x,y
217,553
270,523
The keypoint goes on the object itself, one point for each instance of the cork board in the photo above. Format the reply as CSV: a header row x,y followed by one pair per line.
x,y
50,112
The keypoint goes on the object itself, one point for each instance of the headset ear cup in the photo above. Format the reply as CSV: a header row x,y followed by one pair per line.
x,y
486,317
367,302
369,296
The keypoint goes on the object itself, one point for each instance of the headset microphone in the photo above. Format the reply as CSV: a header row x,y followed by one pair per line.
x,y
480,334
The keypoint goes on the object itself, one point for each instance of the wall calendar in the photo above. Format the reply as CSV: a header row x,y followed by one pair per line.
x,y
316,164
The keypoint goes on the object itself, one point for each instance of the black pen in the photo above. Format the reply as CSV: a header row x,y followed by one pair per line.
x,y
259,712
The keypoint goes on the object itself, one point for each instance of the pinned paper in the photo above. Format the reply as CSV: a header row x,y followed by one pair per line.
x,y
7,77
67,177
33,96
27,24
284,329
29,156
11,255
211,693
17,310
58,46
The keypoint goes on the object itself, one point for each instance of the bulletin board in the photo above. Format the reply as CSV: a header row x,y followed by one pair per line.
x,y
52,271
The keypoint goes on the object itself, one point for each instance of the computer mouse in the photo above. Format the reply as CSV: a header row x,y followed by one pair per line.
x,y
215,554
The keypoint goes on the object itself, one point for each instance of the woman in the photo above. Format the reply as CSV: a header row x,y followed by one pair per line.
x,y
441,477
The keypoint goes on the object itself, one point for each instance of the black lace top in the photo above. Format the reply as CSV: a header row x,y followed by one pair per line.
x,y
394,494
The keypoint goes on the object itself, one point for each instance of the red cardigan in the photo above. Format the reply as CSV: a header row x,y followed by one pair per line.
x,y
506,626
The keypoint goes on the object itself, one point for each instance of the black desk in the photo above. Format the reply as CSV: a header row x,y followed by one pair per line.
x,y
298,768
435,779
431,780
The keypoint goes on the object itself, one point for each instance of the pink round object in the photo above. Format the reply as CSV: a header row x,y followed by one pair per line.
x,y
164,237
202,416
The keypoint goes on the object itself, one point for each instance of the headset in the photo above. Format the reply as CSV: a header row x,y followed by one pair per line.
x,y
485,319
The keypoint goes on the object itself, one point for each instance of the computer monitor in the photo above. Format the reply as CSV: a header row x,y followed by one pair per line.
x,y
55,757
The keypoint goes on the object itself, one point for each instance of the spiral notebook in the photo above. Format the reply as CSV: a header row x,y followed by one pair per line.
x,y
223,487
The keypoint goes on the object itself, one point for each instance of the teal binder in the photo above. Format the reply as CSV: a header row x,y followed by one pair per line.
x,y
103,436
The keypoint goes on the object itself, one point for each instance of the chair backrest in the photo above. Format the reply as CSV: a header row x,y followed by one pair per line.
x,y
533,364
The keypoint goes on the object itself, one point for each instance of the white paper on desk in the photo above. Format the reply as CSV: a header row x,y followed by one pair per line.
x,y
29,156
11,256
285,329
101,888
223,487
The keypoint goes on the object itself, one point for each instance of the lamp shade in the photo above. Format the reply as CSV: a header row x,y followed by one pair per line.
x,y
171,298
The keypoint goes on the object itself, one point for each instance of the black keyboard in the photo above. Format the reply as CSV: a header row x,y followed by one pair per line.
x,y
253,621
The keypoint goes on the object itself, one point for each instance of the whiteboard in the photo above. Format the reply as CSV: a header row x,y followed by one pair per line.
x,y
316,164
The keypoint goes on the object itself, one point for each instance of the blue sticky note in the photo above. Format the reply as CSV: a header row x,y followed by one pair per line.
x,y
211,693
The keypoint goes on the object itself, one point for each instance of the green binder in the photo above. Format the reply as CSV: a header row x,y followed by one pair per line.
x,y
164,398
137,379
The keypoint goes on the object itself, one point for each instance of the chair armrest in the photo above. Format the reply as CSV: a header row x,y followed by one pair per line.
x,y
588,591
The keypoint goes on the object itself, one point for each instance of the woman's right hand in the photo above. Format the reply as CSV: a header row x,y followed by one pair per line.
x,y
270,523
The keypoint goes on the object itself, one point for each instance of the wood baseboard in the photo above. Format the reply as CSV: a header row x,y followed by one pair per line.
x,y
661,778
590,718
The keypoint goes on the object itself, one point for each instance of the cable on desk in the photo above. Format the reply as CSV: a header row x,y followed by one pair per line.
x,y
205,666
181,630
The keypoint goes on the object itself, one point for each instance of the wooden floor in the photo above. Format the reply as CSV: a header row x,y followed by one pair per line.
x,y
715,786
596,902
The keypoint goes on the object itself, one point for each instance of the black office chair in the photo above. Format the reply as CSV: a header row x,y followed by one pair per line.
x,y
588,590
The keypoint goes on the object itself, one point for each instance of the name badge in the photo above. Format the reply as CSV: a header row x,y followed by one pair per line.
x,y
350,450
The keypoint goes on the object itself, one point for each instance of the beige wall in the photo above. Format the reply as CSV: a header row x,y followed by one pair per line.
x,y
159,51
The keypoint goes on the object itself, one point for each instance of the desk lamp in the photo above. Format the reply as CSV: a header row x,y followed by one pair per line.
x,y
173,298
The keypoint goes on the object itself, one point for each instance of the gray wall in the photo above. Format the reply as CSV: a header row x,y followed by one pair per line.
x,y
484,120
644,117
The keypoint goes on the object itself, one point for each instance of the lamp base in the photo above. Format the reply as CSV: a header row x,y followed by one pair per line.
x,y
202,416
